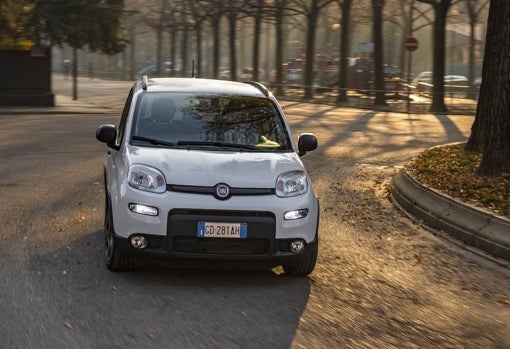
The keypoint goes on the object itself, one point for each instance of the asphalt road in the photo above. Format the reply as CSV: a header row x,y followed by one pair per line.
x,y
382,281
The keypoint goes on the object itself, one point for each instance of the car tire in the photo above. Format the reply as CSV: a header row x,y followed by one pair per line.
x,y
114,260
305,267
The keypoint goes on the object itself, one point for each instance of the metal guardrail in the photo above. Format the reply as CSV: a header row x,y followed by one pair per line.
x,y
397,101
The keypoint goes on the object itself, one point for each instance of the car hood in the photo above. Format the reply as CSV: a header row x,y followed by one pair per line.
x,y
210,167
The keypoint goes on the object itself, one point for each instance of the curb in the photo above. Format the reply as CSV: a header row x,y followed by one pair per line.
x,y
474,227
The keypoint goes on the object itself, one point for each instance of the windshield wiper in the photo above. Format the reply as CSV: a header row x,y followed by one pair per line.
x,y
152,141
217,144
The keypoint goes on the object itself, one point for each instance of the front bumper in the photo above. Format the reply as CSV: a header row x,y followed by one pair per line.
x,y
278,255
181,242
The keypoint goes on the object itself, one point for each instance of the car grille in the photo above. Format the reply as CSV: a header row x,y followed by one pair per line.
x,y
211,246
220,213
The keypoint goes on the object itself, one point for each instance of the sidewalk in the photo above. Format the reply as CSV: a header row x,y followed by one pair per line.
x,y
63,105
471,226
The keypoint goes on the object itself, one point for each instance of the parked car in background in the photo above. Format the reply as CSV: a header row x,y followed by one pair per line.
x,y
423,77
456,80
360,77
293,71
247,74
454,85
477,83
224,73
153,68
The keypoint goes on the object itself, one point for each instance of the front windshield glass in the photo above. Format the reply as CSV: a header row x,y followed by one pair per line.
x,y
209,120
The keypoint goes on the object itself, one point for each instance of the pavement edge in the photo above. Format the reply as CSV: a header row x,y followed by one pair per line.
x,y
474,227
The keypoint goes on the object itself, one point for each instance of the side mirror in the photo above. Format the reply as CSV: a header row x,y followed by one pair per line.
x,y
306,142
107,134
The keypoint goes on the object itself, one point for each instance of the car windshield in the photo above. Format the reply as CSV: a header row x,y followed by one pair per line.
x,y
209,120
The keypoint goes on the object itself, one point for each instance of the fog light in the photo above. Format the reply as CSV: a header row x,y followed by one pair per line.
x,y
138,241
296,214
143,209
297,246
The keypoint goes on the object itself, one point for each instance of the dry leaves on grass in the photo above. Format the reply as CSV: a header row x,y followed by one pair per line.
x,y
452,171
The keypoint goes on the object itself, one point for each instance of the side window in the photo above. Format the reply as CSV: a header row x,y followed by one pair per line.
x,y
123,119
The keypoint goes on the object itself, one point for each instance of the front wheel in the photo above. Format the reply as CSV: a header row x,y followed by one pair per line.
x,y
305,267
114,260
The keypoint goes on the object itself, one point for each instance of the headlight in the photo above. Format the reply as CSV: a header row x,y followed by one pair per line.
x,y
291,184
146,178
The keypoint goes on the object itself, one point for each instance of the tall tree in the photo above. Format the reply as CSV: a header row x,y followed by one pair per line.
x,y
187,26
216,14
156,16
310,9
441,8
474,11
130,21
398,13
344,48
277,11
69,22
380,93
234,12
12,16
255,10
200,13
490,133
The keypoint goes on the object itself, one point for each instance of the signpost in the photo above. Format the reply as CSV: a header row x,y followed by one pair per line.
x,y
411,44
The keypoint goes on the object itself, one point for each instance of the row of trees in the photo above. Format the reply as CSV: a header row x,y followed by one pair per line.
x,y
183,16
99,25
109,25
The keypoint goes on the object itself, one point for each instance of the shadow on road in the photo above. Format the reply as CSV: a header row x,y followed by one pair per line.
x,y
70,296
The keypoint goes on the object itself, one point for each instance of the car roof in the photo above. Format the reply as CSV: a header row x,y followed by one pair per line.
x,y
455,77
197,85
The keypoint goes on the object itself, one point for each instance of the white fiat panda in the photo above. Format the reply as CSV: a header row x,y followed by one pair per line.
x,y
207,170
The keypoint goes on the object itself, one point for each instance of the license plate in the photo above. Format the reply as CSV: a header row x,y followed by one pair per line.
x,y
222,230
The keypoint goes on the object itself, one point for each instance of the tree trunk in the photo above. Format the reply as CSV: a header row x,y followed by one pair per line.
x,y
471,62
199,69
159,50
491,128
75,73
279,48
310,51
344,50
440,10
256,41
215,26
132,54
473,15
173,51
380,88
232,46
184,53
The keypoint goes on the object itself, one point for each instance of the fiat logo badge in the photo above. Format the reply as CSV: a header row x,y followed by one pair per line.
x,y
222,191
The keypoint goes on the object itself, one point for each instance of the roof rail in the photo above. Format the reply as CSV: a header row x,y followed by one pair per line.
x,y
259,87
145,82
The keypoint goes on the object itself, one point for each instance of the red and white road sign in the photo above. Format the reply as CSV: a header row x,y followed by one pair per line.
x,y
411,44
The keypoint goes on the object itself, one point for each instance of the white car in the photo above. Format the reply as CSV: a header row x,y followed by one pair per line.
x,y
423,77
207,170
